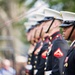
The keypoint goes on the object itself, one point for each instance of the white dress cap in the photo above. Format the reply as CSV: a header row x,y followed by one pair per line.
x,y
68,16
39,16
32,19
52,13
29,24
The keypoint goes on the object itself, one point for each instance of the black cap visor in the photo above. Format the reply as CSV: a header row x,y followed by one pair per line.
x,y
65,25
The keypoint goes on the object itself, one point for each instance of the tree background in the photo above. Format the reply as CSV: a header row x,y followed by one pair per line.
x,y
12,18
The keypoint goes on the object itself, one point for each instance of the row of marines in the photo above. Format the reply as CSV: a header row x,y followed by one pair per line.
x,y
50,53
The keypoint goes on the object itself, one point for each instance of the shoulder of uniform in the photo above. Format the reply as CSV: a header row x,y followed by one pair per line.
x,y
58,40
61,42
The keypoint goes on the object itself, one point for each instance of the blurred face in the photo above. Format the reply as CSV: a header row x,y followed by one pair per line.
x,y
66,32
32,36
28,35
73,35
45,28
38,31
41,30
54,27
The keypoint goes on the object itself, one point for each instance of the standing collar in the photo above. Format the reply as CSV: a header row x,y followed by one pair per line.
x,y
52,37
72,44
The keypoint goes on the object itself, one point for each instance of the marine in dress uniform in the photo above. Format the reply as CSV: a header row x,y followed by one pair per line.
x,y
68,28
42,49
57,48
35,56
30,38
42,55
42,52
39,42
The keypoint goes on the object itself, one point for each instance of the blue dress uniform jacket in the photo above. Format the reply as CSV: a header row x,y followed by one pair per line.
x,y
69,65
42,58
56,55
35,56
29,62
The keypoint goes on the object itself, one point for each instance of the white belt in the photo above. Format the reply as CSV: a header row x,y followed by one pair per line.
x,y
29,67
48,72
35,71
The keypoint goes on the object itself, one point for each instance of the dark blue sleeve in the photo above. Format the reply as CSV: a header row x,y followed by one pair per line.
x,y
59,52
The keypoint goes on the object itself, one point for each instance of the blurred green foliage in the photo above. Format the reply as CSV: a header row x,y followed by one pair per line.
x,y
68,5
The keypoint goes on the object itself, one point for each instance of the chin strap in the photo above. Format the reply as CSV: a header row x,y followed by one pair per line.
x,y
50,25
71,31
41,32
35,34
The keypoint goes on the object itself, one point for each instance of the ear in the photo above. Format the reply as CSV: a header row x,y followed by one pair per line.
x,y
57,23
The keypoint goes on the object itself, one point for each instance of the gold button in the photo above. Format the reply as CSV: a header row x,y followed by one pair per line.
x,y
34,66
50,38
49,43
45,68
35,61
36,56
28,62
29,59
66,65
